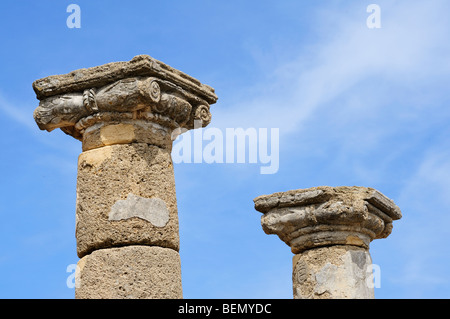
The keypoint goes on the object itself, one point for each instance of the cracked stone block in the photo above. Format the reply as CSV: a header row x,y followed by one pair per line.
x,y
335,272
126,195
130,272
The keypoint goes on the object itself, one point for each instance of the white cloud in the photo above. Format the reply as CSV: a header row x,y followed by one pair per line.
x,y
17,113
407,51
360,92
431,180
67,148
423,252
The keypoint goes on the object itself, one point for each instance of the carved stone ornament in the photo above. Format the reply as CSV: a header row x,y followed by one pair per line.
x,y
324,216
141,89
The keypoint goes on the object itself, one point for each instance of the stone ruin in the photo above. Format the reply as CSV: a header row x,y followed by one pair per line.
x,y
126,114
329,230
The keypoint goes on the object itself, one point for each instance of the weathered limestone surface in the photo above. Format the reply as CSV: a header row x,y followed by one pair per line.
x,y
131,272
127,115
75,102
322,216
339,272
330,230
127,132
116,179
141,65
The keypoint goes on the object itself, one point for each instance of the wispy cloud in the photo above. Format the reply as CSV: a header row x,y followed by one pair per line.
x,y
17,113
375,102
66,147
423,235
431,180
406,51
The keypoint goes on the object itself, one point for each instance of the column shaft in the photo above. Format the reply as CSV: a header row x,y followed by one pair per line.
x,y
130,272
334,272
126,195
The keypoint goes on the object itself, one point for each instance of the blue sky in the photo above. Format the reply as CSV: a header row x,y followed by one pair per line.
x,y
353,105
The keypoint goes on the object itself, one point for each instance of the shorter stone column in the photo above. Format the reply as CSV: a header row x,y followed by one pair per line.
x,y
329,230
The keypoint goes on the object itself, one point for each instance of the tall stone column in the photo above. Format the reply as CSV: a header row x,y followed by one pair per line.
x,y
126,114
329,230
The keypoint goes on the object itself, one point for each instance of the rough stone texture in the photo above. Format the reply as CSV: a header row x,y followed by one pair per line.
x,y
141,65
335,272
329,229
323,216
131,272
142,88
127,132
106,177
125,114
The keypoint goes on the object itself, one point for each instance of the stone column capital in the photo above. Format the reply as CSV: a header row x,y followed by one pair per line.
x,y
324,216
143,90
